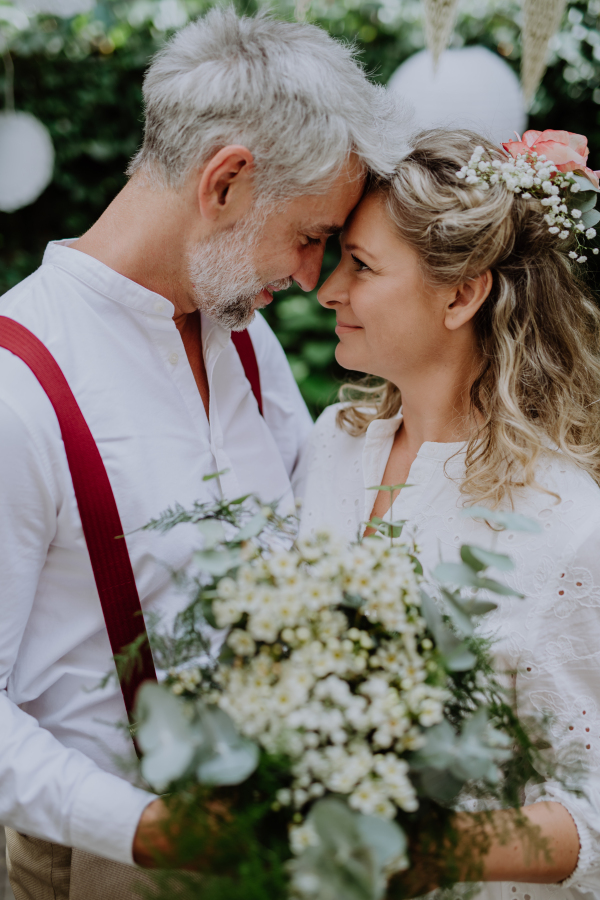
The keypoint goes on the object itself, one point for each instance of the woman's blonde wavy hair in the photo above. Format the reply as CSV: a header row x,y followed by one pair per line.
x,y
538,386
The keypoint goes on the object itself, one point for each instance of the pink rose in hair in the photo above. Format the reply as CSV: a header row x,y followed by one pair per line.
x,y
568,152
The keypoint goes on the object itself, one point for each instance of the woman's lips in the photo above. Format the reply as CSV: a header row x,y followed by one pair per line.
x,y
344,328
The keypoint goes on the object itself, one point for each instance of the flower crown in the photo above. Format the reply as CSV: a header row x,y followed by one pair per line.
x,y
549,166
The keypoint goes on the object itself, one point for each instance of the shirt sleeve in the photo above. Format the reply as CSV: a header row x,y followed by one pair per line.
x,y
564,682
285,411
47,790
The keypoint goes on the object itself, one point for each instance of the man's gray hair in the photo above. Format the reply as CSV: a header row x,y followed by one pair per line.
x,y
291,94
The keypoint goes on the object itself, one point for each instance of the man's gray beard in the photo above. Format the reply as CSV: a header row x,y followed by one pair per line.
x,y
223,274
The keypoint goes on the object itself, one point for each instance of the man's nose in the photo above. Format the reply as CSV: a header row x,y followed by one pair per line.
x,y
307,273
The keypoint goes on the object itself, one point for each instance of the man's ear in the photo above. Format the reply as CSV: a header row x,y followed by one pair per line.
x,y
466,299
225,186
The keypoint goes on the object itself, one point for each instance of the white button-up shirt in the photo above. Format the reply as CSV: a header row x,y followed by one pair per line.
x,y
549,641
117,345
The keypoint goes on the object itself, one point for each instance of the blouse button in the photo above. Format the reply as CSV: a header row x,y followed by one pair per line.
x,y
159,306
174,359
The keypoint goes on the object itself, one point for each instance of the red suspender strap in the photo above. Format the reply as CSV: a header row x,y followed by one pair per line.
x,y
243,344
96,502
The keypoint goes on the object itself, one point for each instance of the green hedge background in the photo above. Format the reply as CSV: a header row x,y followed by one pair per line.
x,y
82,77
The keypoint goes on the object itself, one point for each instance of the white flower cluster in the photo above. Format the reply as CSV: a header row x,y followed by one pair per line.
x,y
333,667
533,177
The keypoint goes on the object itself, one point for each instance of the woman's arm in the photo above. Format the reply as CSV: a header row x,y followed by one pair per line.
x,y
537,845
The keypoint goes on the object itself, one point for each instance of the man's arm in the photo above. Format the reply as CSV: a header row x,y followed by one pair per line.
x,y
46,790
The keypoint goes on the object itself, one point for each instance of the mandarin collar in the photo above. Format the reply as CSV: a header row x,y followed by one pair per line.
x,y
111,284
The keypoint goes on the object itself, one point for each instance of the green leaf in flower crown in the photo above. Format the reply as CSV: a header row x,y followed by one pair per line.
x,y
584,200
227,757
212,531
584,183
590,218
252,528
166,735
478,559
505,520
217,562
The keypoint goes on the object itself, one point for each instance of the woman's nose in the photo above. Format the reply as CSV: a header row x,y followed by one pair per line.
x,y
332,293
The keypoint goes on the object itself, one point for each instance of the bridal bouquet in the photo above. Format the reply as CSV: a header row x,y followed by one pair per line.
x,y
341,708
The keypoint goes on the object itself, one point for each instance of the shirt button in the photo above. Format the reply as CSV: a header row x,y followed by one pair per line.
x,y
159,306
174,359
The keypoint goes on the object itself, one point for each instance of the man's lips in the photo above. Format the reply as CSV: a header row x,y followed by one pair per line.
x,y
345,328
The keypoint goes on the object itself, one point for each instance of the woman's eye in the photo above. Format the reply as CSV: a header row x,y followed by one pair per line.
x,y
360,265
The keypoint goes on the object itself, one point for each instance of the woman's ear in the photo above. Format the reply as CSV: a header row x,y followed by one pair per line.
x,y
466,300
225,185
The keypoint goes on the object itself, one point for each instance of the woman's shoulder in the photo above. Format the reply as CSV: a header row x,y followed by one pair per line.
x,y
569,505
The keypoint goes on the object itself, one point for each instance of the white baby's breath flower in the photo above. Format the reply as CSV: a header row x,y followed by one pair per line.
x,y
576,213
572,254
581,259
590,233
302,837
241,642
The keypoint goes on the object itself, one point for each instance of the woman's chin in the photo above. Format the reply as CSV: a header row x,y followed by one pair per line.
x,y
348,360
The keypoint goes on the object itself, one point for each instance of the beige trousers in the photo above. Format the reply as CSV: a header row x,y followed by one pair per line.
x,y
41,871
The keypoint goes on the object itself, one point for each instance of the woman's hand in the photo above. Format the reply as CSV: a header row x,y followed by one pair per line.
x,y
537,845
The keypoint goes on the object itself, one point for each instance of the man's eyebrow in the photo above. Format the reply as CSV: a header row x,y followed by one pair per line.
x,y
325,229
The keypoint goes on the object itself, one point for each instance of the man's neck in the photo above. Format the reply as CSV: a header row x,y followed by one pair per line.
x,y
141,235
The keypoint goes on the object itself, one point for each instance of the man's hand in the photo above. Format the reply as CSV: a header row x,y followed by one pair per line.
x,y
151,842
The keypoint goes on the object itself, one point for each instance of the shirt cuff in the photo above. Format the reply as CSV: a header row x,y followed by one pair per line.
x,y
105,816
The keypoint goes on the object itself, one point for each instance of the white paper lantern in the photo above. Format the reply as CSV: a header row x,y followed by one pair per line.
x,y
470,88
63,8
26,159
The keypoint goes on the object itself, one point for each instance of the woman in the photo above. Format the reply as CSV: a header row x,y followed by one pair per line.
x,y
458,293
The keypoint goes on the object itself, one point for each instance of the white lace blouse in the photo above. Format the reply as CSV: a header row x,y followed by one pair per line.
x,y
550,639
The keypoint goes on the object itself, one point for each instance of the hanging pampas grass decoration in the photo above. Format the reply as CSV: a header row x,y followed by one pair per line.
x,y
541,20
440,16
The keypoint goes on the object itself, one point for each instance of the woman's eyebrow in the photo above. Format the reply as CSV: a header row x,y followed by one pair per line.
x,y
352,248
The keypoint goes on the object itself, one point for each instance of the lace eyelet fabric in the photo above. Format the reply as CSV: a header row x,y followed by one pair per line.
x,y
546,645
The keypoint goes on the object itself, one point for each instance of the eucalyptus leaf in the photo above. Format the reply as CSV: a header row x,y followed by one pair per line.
x,y
584,200
479,607
231,765
166,735
455,608
385,839
460,659
212,531
456,573
590,218
227,757
505,520
483,558
217,562
584,184
252,528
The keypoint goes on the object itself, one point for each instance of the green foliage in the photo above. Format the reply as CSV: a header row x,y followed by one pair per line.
x,y
82,77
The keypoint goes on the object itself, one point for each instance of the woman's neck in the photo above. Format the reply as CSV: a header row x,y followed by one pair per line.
x,y
436,404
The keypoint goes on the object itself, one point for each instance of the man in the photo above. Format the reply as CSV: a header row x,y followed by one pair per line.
x,y
258,138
